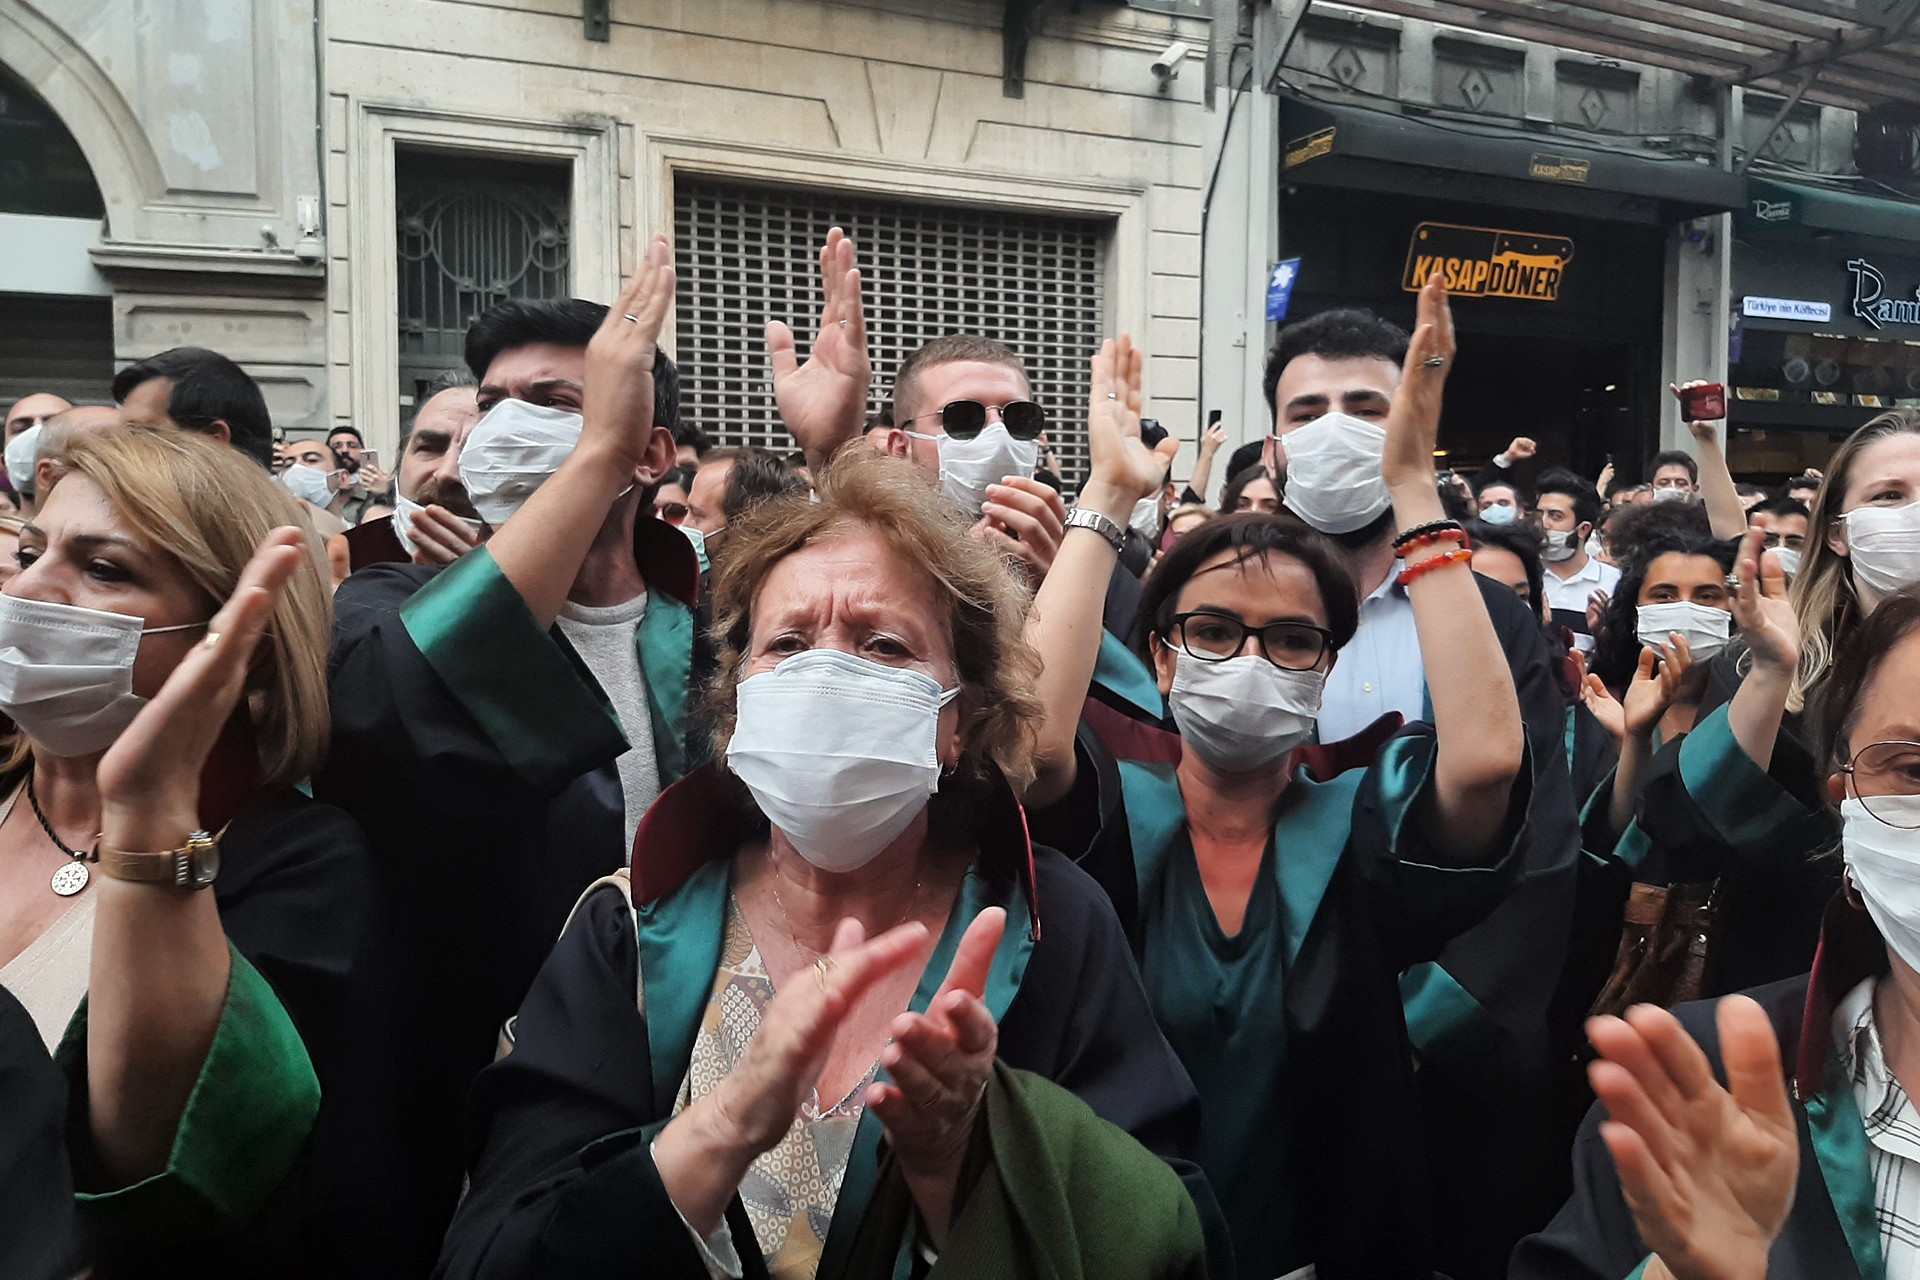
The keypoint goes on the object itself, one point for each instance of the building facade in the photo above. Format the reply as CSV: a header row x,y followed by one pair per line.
x,y
330,193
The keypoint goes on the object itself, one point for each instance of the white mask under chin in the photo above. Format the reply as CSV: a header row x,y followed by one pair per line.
x,y
1333,472
840,753
1884,545
511,452
1145,519
1245,713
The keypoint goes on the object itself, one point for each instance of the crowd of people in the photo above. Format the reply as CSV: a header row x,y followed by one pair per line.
x,y
582,850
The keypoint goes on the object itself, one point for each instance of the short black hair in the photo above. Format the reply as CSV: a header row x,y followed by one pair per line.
x,y
1585,498
756,475
207,388
563,322
1522,541
688,433
1348,333
1674,458
1748,489
348,429
1783,507
1247,535
1505,480
1247,455
1803,482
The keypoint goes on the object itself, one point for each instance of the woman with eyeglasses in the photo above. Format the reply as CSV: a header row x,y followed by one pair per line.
x,y
1701,1160
1276,889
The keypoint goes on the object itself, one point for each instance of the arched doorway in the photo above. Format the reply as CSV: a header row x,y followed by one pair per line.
x,y
56,312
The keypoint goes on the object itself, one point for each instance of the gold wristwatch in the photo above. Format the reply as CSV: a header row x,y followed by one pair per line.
x,y
192,866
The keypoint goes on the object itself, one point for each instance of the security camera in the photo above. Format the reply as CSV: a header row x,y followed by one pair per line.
x,y
1167,65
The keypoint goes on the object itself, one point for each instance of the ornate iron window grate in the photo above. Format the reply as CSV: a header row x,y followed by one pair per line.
x,y
471,232
747,255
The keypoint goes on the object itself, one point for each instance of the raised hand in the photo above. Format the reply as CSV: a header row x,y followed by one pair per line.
x,y
618,405
150,777
1212,440
1604,707
441,537
1760,607
1605,479
1708,1172
938,1063
1520,448
1122,469
1413,424
374,480
824,401
1653,688
1026,519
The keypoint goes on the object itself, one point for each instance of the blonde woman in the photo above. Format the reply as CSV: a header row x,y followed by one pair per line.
x,y
116,608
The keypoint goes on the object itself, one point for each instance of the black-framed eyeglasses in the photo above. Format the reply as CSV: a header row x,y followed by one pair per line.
x,y
965,419
1883,771
1212,636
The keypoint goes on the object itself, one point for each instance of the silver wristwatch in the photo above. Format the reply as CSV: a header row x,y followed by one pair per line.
x,y
1087,518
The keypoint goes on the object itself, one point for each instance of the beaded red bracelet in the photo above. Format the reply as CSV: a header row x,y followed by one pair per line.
x,y
1459,555
1431,539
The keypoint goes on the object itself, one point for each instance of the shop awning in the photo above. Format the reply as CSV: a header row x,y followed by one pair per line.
x,y
1387,150
1788,210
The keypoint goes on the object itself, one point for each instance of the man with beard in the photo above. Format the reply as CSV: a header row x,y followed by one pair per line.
x,y
433,520
1478,1019
501,722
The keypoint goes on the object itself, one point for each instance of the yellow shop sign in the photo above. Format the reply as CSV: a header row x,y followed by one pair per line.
x,y
1486,262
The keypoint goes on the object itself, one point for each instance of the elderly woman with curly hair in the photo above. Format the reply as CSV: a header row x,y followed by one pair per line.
x,y
821,1032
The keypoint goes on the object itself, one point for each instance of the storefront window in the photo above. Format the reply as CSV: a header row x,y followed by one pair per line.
x,y
1827,370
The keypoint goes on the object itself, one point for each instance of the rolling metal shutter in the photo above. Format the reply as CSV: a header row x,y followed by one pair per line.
x,y
747,255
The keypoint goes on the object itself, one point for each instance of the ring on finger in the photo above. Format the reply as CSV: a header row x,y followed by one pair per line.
x,y
627,315
1434,362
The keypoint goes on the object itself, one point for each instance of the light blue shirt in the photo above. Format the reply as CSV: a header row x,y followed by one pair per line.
x,y
1379,670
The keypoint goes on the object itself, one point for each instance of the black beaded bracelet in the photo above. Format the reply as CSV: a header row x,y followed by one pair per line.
x,y
1422,530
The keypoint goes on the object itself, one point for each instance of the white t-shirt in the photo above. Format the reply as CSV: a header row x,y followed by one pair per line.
x,y
604,636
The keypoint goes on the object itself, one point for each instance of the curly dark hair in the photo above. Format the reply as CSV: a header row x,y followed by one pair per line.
x,y
1631,526
1616,644
1349,333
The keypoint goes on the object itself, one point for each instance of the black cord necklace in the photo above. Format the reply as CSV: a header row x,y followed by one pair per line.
x,y
73,877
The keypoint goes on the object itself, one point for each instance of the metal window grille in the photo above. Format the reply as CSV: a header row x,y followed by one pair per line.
x,y
747,255
472,231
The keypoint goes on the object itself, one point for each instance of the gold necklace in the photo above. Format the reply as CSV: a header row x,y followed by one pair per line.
x,y
793,933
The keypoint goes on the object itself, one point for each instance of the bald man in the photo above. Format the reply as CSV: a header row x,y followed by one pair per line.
x,y
31,411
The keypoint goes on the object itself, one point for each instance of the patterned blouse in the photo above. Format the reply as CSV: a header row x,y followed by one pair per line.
x,y
789,1192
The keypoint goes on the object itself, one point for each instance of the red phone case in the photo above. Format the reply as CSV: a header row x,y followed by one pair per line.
x,y
1704,404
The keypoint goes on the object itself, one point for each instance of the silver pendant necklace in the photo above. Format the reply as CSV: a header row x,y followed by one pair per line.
x,y
73,877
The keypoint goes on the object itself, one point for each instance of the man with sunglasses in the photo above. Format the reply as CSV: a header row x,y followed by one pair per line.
x,y
962,410
1478,1019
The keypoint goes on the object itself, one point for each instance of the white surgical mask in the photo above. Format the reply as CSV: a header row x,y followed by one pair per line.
x,y
1333,472
309,484
840,753
1594,547
1560,546
404,510
967,467
1884,864
1498,514
1670,495
1245,713
1884,545
1145,519
22,452
66,673
512,451
1705,628
1789,560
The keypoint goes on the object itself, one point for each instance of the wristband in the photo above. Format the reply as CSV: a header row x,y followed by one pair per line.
x,y
1087,518
1413,572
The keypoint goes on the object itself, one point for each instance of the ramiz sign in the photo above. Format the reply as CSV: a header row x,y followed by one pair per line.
x,y
1870,302
1485,262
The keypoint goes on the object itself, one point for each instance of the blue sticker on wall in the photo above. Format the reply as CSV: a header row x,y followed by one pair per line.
x,y
1280,288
